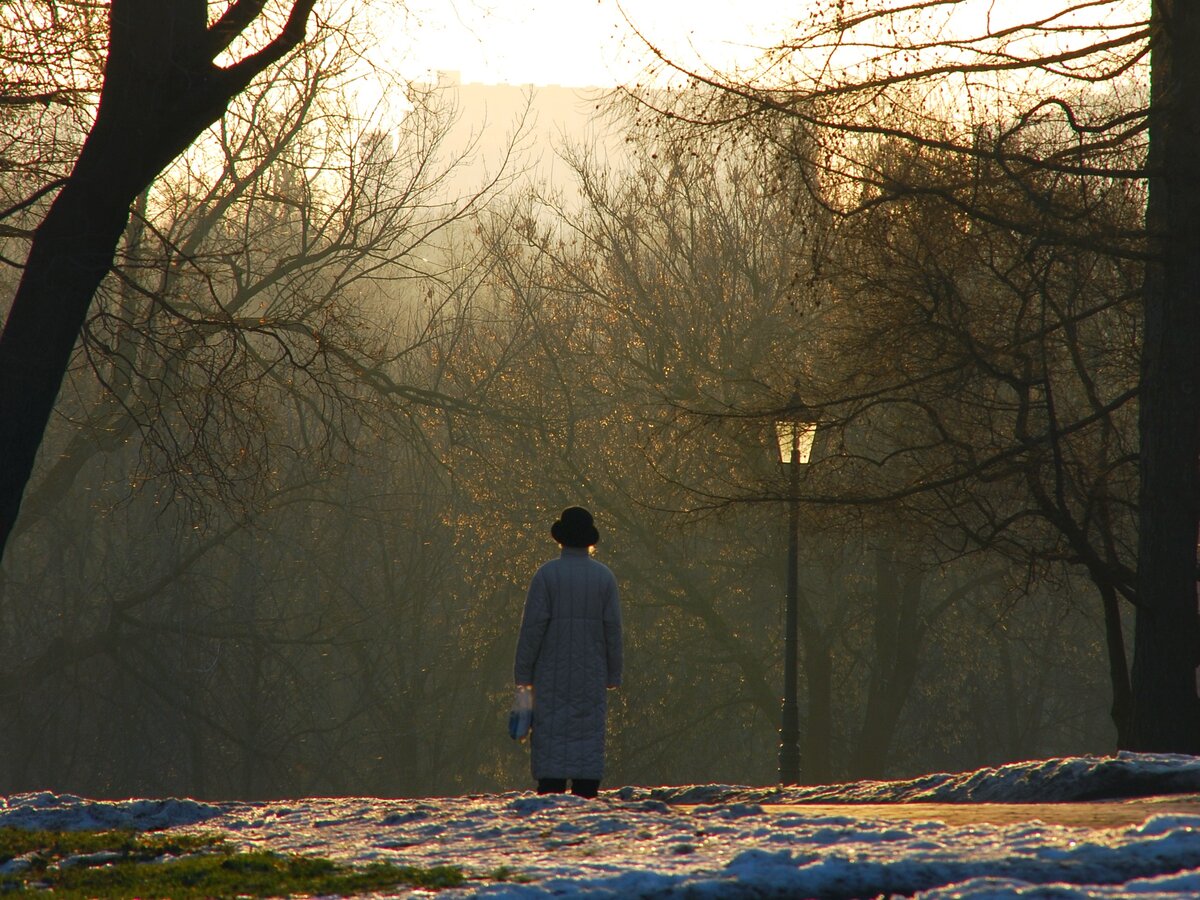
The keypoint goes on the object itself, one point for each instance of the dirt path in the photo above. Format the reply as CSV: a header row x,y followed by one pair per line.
x,y
1099,814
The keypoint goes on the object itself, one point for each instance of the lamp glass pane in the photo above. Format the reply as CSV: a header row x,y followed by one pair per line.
x,y
795,440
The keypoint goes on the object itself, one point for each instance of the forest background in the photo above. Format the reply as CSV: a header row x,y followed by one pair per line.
x,y
328,401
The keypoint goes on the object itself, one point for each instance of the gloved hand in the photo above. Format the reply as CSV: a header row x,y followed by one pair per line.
x,y
520,720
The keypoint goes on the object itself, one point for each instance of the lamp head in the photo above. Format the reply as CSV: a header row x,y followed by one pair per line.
x,y
795,432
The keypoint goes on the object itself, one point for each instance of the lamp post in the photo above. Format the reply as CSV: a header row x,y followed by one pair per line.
x,y
795,436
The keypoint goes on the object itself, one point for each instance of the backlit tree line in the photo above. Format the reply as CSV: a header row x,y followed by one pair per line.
x,y
323,410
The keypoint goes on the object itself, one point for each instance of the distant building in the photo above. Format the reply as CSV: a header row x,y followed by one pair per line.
x,y
542,119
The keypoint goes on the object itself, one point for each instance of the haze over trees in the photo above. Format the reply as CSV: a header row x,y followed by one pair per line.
x,y
325,405
1079,109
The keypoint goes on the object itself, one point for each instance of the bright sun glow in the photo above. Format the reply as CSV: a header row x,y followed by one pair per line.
x,y
582,43
579,42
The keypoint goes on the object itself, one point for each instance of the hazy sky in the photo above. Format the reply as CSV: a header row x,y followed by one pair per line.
x,y
578,42
582,43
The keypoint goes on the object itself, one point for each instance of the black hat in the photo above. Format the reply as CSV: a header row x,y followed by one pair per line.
x,y
575,528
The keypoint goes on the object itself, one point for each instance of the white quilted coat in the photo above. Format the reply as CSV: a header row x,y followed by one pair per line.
x,y
569,649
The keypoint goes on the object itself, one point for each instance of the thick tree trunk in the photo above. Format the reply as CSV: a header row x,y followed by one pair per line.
x,y
161,90
71,253
1166,712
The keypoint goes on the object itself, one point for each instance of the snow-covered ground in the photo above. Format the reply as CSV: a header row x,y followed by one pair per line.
x,y
717,841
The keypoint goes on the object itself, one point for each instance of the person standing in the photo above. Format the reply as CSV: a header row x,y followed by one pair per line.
x,y
569,650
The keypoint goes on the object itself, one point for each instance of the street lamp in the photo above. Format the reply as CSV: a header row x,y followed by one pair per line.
x,y
795,435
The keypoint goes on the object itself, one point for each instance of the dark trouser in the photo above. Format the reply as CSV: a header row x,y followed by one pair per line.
x,y
580,787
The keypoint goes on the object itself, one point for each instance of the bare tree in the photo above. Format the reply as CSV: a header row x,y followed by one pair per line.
x,y
259,348
162,87
998,374
1118,81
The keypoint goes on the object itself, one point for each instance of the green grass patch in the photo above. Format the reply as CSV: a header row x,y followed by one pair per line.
x,y
127,864
508,873
58,844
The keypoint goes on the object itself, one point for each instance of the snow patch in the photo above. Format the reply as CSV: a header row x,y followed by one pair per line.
x,y
66,812
719,841
1071,779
